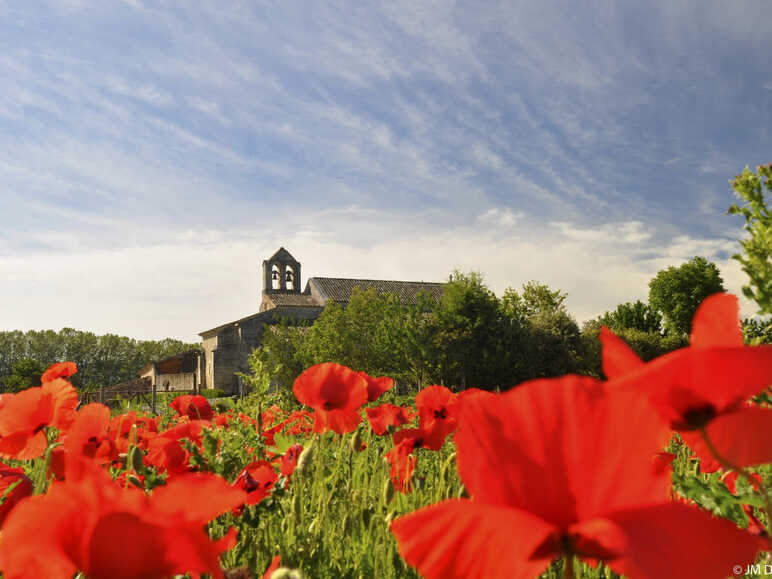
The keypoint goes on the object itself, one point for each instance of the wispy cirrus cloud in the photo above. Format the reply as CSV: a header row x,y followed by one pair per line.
x,y
134,131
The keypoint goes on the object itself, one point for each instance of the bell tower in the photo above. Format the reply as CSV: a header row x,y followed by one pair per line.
x,y
281,273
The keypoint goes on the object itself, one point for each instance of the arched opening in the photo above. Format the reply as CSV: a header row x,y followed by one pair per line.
x,y
275,277
289,278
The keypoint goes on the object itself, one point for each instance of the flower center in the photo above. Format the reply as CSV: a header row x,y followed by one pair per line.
x,y
697,417
441,413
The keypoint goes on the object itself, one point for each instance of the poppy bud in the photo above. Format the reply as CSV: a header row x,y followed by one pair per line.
x,y
304,460
388,491
346,523
134,459
286,573
356,442
297,509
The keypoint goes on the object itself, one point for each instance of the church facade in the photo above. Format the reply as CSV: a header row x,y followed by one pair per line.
x,y
225,348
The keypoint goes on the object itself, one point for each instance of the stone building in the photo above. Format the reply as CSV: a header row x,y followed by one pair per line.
x,y
180,372
226,347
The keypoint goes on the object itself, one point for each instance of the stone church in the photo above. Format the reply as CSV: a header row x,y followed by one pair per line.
x,y
226,347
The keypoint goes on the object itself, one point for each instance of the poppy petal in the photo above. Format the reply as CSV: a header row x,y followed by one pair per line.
x,y
675,541
464,539
617,357
196,498
716,323
562,449
742,437
65,401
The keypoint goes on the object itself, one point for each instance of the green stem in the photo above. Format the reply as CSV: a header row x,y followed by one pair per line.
x,y
746,475
568,566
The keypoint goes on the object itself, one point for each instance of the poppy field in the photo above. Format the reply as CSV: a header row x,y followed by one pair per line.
x,y
662,470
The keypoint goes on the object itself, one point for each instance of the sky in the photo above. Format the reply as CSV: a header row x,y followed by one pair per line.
x,y
152,154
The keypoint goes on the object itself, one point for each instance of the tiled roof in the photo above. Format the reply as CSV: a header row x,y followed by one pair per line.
x,y
292,300
339,289
269,316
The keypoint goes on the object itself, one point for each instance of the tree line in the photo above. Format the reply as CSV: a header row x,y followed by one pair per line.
x,y
102,360
472,338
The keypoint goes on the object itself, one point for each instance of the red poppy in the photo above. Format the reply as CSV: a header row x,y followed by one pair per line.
x,y
194,407
335,392
131,429
165,450
290,458
470,392
25,416
22,487
559,467
94,526
376,386
437,417
702,390
257,480
386,415
88,436
59,370
403,463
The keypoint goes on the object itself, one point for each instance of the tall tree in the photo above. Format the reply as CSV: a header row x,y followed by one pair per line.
x,y
756,258
467,329
635,316
677,291
25,373
550,342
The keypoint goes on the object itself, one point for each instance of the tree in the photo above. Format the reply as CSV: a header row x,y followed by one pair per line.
x,y
548,341
25,373
756,258
757,331
677,291
468,326
636,316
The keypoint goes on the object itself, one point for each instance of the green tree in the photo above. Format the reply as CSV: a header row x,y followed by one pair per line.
x,y
756,258
757,331
637,316
676,292
25,373
545,339
470,335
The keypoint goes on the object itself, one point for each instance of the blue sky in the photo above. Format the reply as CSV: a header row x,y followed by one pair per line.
x,y
154,153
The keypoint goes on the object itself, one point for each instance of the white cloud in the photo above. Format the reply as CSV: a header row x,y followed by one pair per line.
x,y
499,217
200,279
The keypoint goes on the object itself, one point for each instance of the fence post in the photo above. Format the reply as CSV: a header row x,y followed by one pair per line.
x,y
101,394
153,398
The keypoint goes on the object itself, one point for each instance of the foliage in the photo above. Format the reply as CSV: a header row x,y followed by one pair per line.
x,y
25,373
470,338
102,360
676,292
546,337
757,331
636,316
469,334
756,258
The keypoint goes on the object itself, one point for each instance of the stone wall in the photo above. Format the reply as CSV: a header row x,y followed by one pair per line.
x,y
174,382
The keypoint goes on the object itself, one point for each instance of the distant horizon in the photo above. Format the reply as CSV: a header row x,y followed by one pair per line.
x,y
153,156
